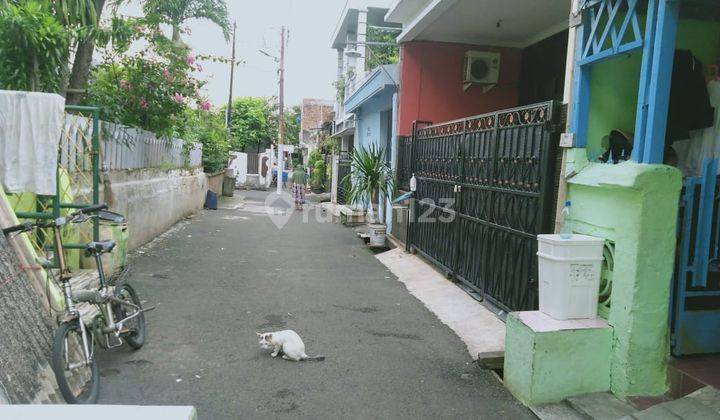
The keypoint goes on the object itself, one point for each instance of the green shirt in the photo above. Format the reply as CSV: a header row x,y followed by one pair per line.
x,y
299,177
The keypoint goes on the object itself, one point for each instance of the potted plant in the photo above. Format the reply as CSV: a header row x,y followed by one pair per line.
x,y
370,176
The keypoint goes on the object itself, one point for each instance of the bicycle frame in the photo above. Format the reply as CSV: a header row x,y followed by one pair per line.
x,y
69,302
103,299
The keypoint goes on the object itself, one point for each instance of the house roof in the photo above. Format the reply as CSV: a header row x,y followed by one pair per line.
x,y
382,80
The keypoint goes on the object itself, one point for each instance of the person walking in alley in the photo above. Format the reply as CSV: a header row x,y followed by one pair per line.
x,y
299,178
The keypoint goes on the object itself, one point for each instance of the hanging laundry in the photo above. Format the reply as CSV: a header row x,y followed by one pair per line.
x,y
31,124
690,107
703,144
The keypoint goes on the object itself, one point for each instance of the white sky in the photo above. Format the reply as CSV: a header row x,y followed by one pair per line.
x,y
310,62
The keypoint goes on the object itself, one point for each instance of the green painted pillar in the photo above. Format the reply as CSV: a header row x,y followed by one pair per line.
x,y
634,206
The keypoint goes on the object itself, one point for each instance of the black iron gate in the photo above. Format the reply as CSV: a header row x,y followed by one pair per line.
x,y
485,188
343,189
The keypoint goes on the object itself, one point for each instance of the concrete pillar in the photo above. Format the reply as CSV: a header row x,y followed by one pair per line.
x,y
634,207
361,39
393,152
351,63
340,74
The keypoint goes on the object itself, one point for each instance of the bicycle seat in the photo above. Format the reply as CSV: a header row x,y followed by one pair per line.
x,y
100,247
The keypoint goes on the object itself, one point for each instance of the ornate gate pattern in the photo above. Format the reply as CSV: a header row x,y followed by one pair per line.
x,y
484,191
343,189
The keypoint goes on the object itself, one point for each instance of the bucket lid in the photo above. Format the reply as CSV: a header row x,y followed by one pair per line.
x,y
575,239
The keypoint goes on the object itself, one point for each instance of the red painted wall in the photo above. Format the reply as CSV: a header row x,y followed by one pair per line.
x,y
431,84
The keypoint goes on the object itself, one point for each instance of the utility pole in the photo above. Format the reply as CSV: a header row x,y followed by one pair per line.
x,y
228,114
281,123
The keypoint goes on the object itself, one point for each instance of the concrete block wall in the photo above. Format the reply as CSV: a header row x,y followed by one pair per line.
x,y
153,200
634,207
215,182
548,360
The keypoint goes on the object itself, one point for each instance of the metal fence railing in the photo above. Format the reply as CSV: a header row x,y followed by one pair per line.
x,y
403,171
79,167
132,148
123,147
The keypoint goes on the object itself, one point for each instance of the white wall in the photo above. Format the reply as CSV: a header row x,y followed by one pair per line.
x,y
239,167
153,200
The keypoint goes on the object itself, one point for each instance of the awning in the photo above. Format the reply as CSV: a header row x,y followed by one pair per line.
x,y
381,81
501,23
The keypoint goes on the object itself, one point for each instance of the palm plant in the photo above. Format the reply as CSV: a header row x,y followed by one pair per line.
x,y
178,11
370,176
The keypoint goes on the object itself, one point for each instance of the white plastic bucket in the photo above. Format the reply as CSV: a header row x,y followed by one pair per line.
x,y
569,275
377,233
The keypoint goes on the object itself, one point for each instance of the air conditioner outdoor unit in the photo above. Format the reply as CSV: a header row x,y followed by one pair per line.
x,y
482,67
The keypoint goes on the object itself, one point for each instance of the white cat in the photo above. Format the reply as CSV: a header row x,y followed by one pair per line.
x,y
287,341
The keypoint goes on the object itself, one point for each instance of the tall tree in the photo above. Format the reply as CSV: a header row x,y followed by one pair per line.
x,y
255,123
83,56
178,11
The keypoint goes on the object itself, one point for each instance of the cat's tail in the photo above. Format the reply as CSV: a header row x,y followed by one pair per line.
x,y
318,358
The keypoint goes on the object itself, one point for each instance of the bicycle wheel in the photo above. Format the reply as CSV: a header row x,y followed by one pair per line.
x,y
135,336
79,383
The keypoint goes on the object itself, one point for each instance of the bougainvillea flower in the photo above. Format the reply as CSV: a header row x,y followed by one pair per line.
x,y
178,98
143,103
190,60
205,106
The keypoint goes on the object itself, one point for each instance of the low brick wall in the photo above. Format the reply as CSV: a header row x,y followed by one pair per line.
x,y
215,181
153,200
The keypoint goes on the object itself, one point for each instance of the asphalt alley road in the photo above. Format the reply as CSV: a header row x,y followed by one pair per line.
x,y
222,275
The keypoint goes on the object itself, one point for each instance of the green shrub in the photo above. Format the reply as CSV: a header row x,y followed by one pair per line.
x,y
317,179
208,128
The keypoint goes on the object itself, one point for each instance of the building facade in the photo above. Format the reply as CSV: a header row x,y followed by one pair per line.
x,y
358,68
628,134
314,115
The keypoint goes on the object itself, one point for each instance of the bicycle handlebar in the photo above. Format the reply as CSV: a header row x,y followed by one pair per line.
x,y
92,209
23,227
27,226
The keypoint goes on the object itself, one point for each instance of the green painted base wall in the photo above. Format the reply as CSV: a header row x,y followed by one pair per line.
x,y
28,202
634,206
546,367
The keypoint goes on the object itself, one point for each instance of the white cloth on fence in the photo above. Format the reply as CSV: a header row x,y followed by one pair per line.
x,y
31,125
703,144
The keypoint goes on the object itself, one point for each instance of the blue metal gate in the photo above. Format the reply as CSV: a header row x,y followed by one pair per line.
x,y
696,286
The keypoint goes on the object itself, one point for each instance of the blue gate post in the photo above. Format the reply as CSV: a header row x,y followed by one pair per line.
x,y
655,81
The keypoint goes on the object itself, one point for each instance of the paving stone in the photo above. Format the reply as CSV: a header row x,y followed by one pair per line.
x,y
559,411
657,412
691,409
708,396
601,406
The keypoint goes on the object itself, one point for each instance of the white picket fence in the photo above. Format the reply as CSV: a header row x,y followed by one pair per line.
x,y
122,147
